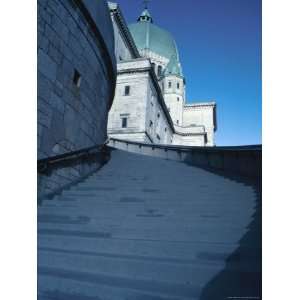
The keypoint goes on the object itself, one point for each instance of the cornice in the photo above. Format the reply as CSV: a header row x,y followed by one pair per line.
x,y
115,10
190,134
199,105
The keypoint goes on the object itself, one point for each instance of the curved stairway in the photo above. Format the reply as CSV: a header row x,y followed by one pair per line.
x,y
144,228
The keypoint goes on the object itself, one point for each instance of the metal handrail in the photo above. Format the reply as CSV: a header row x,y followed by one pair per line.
x,y
44,163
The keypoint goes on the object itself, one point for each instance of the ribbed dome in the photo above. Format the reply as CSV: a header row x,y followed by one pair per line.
x,y
149,36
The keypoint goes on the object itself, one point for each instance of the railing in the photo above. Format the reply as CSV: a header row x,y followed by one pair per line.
x,y
242,160
60,172
46,164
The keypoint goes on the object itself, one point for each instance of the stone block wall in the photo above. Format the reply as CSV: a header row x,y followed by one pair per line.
x,y
76,82
146,116
132,106
202,114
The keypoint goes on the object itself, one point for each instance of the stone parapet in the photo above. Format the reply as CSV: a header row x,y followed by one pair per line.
x,y
236,160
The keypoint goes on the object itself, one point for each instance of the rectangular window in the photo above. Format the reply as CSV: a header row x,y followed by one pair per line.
x,y
153,66
159,71
178,85
76,78
124,122
169,84
150,123
178,99
127,90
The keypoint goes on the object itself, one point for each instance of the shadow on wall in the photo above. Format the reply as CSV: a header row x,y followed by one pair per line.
x,y
237,161
242,275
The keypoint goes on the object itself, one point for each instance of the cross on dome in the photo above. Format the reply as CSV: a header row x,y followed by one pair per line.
x,y
146,3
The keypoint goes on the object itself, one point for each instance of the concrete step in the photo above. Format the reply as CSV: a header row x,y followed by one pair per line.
x,y
86,286
119,266
143,248
221,236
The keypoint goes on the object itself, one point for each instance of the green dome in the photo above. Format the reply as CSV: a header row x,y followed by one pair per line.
x,y
149,36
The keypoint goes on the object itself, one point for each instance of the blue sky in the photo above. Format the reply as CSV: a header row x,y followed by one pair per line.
x,y
219,43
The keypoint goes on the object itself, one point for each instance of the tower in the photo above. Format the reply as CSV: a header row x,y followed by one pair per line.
x,y
173,86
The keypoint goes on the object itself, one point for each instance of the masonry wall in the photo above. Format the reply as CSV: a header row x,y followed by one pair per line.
x,y
157,126
146,118
131,106
156,60
76,80
189,140
201,115
174,97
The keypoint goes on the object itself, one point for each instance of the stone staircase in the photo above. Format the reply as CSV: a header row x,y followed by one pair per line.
x,y
143,228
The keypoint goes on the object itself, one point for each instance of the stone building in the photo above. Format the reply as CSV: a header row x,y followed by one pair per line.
x,y
76,83
150,101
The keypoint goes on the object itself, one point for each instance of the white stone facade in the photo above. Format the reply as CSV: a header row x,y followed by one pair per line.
x,y
150,103
149,120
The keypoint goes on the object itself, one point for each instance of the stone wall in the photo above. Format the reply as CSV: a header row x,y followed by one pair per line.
x,y
131,106
201,114
160,131
174,97
143,107
76,82
189,139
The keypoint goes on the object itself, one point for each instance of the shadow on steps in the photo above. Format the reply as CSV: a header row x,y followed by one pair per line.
x,y
242,275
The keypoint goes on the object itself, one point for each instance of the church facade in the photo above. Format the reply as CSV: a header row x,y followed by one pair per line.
x,y
150,103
